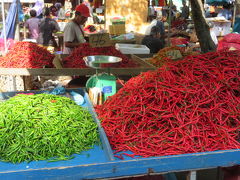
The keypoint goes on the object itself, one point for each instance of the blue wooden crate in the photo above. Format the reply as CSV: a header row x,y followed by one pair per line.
x,y
98,154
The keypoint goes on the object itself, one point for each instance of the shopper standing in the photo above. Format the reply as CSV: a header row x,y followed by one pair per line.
x,y
39,5
73,31
185,10
48,26
33,25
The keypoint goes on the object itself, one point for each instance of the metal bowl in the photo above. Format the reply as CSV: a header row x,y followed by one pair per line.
x,y
99,62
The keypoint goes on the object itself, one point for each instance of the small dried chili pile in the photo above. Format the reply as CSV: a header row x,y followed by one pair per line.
x,y
187,106
162,57
75,59
27,55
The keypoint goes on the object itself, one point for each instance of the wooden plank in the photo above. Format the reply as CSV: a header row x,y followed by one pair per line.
x,y
144,66
71,169
143,63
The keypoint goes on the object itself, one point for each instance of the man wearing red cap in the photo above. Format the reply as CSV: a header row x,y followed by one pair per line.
x,y
73,32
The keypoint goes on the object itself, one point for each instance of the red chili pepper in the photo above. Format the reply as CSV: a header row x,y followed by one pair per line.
x,y
75,59
184,107
27,55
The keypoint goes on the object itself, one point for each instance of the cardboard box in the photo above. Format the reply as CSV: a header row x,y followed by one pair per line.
x,y
117,29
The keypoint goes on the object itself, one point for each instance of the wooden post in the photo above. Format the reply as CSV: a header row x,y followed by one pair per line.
x,y
192,175
4,28
17,28
236,11
169,21
201,27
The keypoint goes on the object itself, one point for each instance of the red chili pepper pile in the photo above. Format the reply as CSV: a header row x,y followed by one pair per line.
x,y
27,55
75,59
190,106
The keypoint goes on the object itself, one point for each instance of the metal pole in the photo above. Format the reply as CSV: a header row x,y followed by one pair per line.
x,y
234,13
105,8
169,21
17,31
4,28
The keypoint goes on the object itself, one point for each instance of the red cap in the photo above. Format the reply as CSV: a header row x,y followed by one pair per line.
x,y
83,9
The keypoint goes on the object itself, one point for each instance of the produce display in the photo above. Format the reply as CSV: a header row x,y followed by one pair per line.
x,y
178,41
44,127
188,106
75,59
229,41
27,55
162,57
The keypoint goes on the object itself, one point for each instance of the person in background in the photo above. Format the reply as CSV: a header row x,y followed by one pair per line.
x,y
153,41
225,12
174,13
58,5
185,10
89,3
39,5
151,12
33,25
53,10
156,22
48,26
160,24
73,31
207,11
61,11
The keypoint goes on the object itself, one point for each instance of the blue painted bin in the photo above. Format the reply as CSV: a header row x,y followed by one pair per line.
x,y
99,154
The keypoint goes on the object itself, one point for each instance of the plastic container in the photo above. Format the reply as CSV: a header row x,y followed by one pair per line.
x,y
132,48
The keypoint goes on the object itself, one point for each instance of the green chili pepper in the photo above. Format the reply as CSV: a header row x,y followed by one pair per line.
x,y
44,127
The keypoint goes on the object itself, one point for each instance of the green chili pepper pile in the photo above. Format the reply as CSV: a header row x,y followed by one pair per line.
x,y
44,127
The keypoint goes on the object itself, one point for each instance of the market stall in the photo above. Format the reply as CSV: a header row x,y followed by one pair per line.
x,y
27,59
143,66
105,162
178,112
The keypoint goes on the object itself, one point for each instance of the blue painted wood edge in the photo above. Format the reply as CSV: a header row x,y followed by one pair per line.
x,y
106,145
165,164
